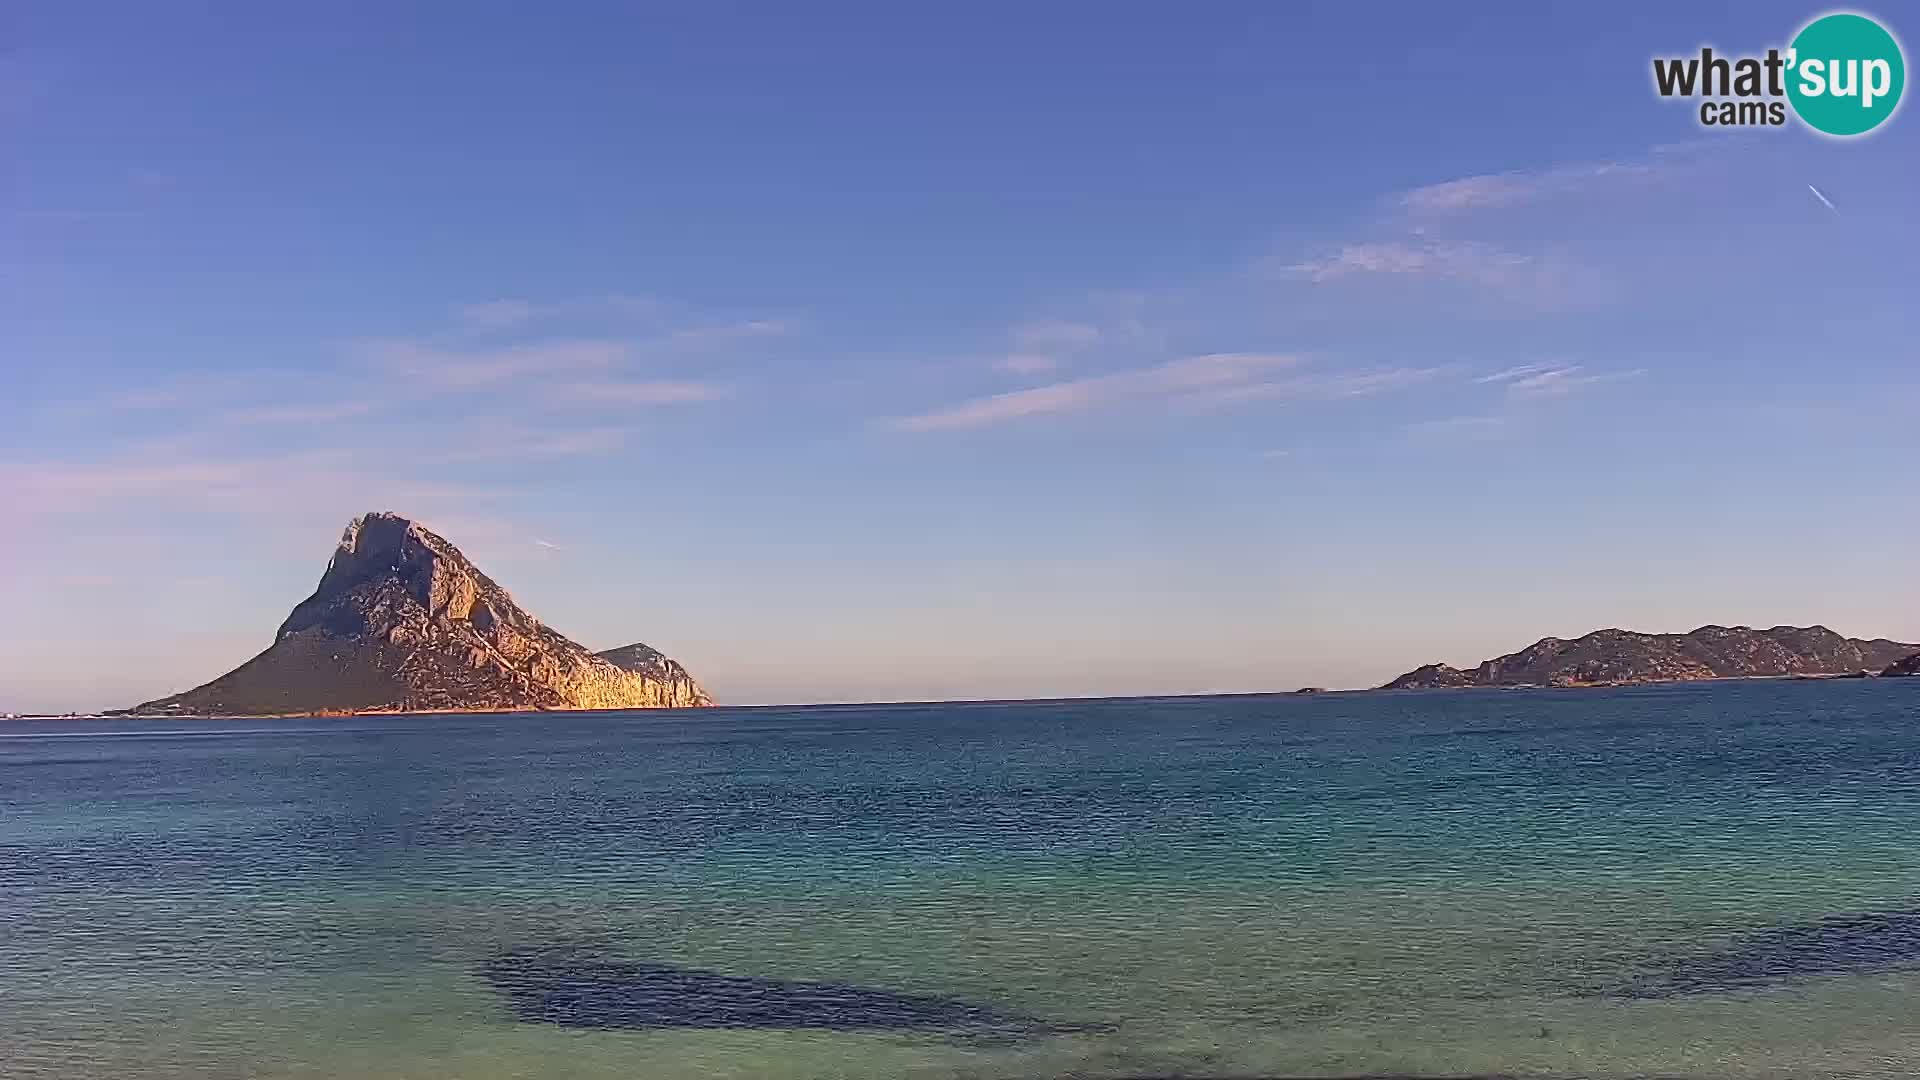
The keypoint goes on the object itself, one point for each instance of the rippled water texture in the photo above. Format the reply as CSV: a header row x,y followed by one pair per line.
x,y
1686,881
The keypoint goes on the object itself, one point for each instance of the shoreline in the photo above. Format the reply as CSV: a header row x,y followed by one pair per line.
x,y
1316,693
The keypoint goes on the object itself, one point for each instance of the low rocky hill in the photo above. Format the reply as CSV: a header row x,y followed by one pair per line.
x,y
1612,657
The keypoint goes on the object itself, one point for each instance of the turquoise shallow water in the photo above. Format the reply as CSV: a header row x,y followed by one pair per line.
x,y
1702,881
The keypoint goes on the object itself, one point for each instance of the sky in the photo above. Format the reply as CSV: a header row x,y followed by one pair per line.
x,y
904,351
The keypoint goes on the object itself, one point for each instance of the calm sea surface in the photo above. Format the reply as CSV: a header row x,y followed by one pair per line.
x,y
1699,881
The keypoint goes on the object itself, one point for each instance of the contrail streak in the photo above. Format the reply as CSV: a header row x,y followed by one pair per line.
x,y
1828,202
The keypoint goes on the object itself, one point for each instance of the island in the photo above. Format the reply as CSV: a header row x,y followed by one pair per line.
x,y
402,622
1615,657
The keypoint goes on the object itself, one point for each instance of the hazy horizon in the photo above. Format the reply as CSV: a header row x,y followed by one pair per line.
x,y
874,354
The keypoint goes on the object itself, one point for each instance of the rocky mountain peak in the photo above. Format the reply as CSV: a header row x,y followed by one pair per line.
x,y
401,620
382,543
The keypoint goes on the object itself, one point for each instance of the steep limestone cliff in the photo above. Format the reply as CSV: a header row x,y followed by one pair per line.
x,y
652,664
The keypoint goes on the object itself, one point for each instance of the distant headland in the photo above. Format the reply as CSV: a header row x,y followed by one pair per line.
x,y
1624,657
402,622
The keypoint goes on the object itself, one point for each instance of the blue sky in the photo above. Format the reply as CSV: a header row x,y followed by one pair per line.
x,y
885,351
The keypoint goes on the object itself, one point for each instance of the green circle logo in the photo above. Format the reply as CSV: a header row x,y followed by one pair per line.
x,y
1845,74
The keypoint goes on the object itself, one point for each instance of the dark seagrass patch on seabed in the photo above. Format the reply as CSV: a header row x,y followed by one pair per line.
x,y
1842,945
584,987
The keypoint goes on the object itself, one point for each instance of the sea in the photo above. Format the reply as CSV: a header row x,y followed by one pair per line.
x,y
1703,880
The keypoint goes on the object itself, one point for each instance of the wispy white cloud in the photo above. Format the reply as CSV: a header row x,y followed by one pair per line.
x,y
497,314
294,451
1057,398
208,400
1524,387
1329,385
1477,263
1491,190
176,392
316,413
384,374
745,330
1560,381
1518,371
255,484
635,305
1046,345
65,483
506,313
467,369
1055,334
1174,377
1409,242
616,392
1521,281
1459,429
660,321
547,544
519,443
1025,363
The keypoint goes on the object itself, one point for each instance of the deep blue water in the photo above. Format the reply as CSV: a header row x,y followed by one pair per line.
x,y
1699,880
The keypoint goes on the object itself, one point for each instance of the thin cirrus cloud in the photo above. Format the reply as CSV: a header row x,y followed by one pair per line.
x,y
506,313
1174,378
1046,345
1459,429
1028,363
322,413
1518,371
258,484
306,464
468,369
1476,263
520,443
1551,380
430,364
238,399
1521,281
745,330
1493,190
187,391
1552,279
655,315
615,392
497,314
1329,385
1055,334
1523,383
